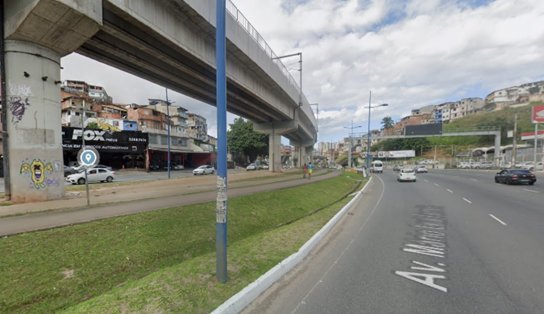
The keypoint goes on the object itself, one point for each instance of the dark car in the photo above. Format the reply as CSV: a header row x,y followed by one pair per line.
x,y
396,168
69,170
513,176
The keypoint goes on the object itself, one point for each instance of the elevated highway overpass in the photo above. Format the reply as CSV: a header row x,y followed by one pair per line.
x,y
169,42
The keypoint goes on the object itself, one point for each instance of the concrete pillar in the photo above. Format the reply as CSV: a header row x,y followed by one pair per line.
x,y
274,152
34,122
302,154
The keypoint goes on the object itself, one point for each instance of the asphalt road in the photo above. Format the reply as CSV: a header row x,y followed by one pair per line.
x,y
452,242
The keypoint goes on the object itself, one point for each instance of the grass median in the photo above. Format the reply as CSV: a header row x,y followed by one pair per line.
x,y
162,261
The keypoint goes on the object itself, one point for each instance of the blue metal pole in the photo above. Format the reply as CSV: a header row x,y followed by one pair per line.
x,y
169,138
221,98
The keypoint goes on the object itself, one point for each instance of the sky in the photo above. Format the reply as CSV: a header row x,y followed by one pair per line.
x,y
407,53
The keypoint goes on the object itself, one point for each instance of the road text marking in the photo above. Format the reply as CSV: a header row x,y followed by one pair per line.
x,y
466,200
423,278
427,241
497,219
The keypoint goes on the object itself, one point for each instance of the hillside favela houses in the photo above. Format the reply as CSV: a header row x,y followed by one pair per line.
x,y
514,96
132,135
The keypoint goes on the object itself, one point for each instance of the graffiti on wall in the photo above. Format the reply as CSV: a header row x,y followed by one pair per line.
x,y
38,171
18,101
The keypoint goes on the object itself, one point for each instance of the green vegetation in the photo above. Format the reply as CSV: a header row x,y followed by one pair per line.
x,y
502,119
244,142
162,260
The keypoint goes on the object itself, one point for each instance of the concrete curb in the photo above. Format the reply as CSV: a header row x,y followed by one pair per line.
x,y
243,298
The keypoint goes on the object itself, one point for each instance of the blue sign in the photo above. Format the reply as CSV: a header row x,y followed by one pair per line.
x,y
88,156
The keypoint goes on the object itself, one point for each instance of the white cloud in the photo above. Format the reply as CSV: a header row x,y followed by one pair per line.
x,y
409,53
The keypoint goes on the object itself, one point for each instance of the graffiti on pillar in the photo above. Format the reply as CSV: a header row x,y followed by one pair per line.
x,y
38,171
18,101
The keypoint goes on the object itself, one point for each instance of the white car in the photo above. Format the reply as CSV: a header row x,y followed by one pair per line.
x,y
93,175
406,175
204,169
421,169
251,166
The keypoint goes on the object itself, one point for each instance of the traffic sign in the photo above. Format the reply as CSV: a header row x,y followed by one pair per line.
x,y
88,156
537,114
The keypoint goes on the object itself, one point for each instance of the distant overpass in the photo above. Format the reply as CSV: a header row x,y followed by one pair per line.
x,y
169,42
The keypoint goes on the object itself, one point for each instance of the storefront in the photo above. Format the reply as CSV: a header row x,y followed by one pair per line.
x,y
124,149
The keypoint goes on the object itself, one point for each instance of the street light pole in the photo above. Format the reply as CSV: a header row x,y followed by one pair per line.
x,y
351,141
368,134
168,140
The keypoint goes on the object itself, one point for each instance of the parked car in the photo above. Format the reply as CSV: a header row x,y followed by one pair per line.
x,y
204,169
69,170
79,168
251,166
529,165
174,167
512,176
93,175
406,175
421,169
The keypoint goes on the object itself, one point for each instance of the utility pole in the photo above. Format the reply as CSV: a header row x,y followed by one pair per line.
x,y
351,141
514,143
168,134
536,146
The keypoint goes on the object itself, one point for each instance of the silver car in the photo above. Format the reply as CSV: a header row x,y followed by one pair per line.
x,y
93,175
204,169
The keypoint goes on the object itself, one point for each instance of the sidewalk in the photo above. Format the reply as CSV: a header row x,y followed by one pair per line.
x,y
130,199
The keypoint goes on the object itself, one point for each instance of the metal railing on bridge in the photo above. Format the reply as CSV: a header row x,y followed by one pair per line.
x,y
252,32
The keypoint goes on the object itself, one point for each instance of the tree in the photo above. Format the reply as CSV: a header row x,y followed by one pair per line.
x,y
243,141
388,123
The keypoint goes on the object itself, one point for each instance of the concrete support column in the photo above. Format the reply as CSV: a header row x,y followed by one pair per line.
x,y
274,152
302,155
34,122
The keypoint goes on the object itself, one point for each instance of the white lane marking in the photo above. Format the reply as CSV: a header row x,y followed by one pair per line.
x,y
353,194
303,301
426,180
475,180
436,184
449,191
497,219
532,191
466,200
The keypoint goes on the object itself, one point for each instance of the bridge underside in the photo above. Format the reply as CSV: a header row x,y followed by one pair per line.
x,y
128,44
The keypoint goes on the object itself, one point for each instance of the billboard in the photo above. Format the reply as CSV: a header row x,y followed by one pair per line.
x,y
105,141
423,129
397,154
537,114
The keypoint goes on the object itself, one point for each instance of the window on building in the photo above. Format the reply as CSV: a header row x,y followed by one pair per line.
x,y
153,139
